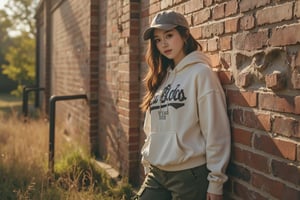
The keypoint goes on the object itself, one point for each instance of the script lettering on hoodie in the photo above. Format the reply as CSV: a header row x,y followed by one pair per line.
x,y
169,97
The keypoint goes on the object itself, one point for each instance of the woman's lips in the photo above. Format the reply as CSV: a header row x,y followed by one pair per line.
x,y
168,51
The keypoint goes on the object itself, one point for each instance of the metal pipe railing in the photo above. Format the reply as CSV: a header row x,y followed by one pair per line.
x,y
52,103
26,91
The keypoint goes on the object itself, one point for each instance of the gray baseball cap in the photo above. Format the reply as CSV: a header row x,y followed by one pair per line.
x,y
166,20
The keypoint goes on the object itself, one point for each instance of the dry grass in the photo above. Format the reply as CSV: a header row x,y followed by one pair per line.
x,y
24,166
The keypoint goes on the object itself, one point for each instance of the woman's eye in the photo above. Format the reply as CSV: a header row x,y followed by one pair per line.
x,y
169,35
156,40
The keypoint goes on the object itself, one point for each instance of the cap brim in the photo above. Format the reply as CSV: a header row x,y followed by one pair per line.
x,y
148,31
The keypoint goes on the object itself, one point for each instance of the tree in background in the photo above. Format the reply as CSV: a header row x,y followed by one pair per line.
x,y
19,53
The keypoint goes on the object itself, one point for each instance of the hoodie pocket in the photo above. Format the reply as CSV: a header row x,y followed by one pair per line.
x,y
164,149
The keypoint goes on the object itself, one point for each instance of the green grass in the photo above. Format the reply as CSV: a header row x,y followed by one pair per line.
x,y
24,171
10,103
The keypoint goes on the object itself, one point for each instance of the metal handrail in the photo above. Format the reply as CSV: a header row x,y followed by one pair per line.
x,y
26,91
52,104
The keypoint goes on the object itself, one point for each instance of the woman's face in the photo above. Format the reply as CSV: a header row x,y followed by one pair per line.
x,y
170,44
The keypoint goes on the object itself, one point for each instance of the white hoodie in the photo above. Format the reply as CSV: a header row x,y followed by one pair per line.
x,y
187,123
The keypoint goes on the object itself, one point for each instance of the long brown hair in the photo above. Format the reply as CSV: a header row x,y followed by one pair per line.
x,y
159,64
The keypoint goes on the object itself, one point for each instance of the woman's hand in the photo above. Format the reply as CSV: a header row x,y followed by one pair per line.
x,y
211,196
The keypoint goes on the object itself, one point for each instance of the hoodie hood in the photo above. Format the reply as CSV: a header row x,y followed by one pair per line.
x,y
192,58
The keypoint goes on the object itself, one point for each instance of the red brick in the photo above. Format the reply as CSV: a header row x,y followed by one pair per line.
x,y
231,25
286,35
274,14
218,11
247,22
251,159
225,77
213,44
207,2
244,79
192,5
286,126
275,188
252,120
246,5
297,9
215,59
286,171
239,172
225,59
297,105
277,103
211,30
248,99
270,186
231,8
251,41
275,81
201,16
276,147
245,193
225,43
241,136
295,79
196,32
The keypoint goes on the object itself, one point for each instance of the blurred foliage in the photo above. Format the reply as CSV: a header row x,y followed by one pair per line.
x,y
17,41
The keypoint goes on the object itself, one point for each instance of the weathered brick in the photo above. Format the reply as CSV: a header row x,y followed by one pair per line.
x,y
252,120
213,44
275,188
201,16
231,8
295,79
281,103
251,159
196,32
285,35
193,5
211,30
246,5
286,171
244,79
215,59
247,22
218,11
245,193
297,9
239,172
241,136
275,81
225,59
251,41
286,126
274,14
225,43
276,147
231,25
225,77
248,99
208,2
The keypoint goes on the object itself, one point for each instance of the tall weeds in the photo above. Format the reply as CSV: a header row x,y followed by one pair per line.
x,y
24,160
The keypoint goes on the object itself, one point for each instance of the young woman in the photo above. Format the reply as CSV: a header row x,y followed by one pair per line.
x,y
187,147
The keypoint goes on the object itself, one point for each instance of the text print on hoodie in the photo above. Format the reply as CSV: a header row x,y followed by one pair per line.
x,y
187,123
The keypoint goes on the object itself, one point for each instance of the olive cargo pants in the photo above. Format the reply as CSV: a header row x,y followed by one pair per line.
x,y
189,184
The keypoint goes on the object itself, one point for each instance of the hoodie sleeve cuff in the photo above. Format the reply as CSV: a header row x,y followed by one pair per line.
x,y
215,188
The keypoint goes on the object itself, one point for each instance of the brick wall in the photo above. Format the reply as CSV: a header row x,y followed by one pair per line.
x,y
119,86
254,46
95,48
